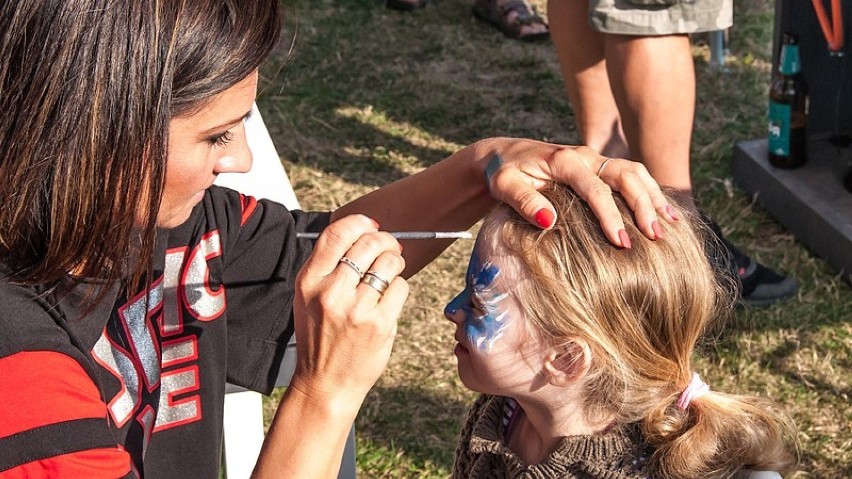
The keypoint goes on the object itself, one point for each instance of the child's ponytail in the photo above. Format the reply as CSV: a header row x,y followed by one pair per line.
x,y
718,435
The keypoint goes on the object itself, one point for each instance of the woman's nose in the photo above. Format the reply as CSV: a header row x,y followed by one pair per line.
x,y
237,158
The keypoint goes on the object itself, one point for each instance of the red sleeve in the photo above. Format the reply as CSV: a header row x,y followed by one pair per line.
x,y
249,204
53,422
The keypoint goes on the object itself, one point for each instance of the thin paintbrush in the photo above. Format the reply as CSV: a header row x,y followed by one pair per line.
x,y
408,235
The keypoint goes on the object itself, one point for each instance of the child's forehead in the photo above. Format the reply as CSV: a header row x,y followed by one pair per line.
x,y
490,253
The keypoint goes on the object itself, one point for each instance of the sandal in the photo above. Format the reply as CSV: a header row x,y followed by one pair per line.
x,y
406,6
496,11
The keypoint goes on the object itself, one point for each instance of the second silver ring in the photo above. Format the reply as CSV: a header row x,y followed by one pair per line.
x,y
603,165
351,264
375,281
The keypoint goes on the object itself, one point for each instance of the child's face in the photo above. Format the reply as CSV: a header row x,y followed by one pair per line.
x,y
496,354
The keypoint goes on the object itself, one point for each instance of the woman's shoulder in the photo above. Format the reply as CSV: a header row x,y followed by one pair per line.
x,y
24,319
30,320
236,214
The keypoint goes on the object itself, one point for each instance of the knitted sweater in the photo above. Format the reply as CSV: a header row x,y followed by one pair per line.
x,y
482,454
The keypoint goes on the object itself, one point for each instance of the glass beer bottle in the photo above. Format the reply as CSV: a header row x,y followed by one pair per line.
x,y
788,109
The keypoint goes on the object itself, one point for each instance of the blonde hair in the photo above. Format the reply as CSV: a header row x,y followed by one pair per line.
x,y
642,310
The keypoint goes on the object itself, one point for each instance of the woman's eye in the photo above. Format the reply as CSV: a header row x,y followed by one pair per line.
x,y
220,141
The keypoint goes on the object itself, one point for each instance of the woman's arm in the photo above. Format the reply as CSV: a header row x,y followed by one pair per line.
x,y
345,330
458,191
307,437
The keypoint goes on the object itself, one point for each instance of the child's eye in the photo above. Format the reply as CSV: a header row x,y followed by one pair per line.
x,y
477,303
220,141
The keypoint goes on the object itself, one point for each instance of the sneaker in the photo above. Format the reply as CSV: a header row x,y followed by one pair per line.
x,y
759,285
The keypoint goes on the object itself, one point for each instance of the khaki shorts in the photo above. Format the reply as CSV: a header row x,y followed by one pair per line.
x,y
654,17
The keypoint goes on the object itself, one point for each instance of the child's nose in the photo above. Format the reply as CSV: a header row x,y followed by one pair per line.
x,y
450,313
453,310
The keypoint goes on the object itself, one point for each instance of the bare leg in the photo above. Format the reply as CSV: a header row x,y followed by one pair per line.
x,y
632,96
653,81
581,57
640,91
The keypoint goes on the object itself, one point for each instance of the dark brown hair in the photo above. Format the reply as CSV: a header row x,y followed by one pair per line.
x,y
87,90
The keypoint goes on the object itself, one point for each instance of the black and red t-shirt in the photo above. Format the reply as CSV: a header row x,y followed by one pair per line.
x,y
135,387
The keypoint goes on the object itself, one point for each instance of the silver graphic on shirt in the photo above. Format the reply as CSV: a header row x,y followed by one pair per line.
x,y
173,413
142,334
171,322
205,303
147,421
179,351
114,359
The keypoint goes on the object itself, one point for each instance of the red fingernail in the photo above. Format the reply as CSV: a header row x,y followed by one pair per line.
x,y
625,240
544,218
672,212
658,231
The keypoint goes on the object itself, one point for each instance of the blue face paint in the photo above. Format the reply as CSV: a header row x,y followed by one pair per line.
x,y
481,303
492,168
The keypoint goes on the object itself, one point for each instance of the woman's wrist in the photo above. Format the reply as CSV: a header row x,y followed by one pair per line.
x,y
307,436
333,404
485,158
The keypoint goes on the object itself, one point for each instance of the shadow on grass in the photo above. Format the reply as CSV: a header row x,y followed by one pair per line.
x,y
345,147
425,84
824,427
804,368
779,363
408,429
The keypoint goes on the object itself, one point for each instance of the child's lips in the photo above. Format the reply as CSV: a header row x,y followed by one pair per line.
x,y
460,345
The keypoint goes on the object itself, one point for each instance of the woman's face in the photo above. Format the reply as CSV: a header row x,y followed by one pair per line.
x,y
201,146
496,354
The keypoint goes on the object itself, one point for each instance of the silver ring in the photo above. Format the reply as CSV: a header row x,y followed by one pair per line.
x,y
351,264
603,165
375,281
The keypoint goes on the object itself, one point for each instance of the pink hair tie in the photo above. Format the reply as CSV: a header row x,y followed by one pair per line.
x,y
694,390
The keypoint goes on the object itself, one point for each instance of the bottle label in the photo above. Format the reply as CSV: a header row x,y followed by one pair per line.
x,y
790,60
779,129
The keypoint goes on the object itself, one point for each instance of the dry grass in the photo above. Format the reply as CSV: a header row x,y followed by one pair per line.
x,y
369,95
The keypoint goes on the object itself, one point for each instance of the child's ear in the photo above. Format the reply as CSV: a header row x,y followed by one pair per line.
x,y
568,363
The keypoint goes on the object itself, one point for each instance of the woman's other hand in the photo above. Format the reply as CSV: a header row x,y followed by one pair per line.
x,y
344,325
515,169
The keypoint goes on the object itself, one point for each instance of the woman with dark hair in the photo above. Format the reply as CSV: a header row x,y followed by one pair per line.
x,y
132,289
